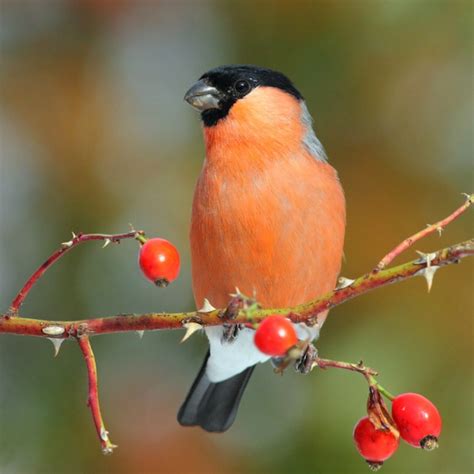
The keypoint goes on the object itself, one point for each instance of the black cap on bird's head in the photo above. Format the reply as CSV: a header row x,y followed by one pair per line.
x,y
218,89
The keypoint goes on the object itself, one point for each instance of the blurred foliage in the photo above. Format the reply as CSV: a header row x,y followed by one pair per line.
x,y
94,135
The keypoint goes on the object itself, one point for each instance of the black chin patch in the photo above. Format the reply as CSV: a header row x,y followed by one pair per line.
x,y
236,81
211,116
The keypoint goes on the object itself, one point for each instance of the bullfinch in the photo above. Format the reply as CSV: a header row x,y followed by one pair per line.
x,y
268,217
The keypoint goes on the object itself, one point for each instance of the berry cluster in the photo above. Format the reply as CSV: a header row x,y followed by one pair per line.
x,y
414,418
417,421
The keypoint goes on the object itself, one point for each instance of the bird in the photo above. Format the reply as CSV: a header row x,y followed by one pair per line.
x,y
268,217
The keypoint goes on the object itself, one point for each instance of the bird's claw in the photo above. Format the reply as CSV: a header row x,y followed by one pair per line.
x,y
230,332
237,303
305,363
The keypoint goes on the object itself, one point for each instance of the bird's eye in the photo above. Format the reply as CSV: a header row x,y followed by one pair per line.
x,y
241,87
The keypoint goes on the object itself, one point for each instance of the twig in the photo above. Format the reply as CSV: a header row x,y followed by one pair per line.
x,y
306,312
367,372
65,247
93,396
376,409
359,367
439,226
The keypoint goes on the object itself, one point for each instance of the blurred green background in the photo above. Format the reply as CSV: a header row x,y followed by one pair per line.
x,y
95,135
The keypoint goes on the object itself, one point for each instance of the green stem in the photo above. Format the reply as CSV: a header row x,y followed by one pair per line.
x,y
373,383
141,238
384,391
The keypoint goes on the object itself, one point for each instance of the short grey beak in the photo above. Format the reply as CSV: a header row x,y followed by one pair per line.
x,y
202,96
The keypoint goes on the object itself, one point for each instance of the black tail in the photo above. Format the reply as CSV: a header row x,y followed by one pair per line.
x,y
213,406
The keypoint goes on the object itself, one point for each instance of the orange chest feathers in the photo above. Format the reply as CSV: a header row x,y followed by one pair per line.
x,y
268,217
276,229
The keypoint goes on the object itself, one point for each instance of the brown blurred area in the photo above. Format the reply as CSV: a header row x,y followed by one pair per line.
x,y
94,135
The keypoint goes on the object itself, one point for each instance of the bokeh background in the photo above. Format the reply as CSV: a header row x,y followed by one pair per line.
x,y
95,135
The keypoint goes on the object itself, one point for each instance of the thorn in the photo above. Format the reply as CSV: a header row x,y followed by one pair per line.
x,y
57,344
428,273
66,244
236,294
439,229
74,236
206,307
430,270
343,283
140,334
104,434
426,257
191,328
422,255
106,242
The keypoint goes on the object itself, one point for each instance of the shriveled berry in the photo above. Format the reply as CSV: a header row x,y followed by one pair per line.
x,y
159,261
417,419
375,446
275,335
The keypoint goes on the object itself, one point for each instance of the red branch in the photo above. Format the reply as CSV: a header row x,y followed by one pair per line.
x,y
93,396
12,323
408,242
306,312
66,246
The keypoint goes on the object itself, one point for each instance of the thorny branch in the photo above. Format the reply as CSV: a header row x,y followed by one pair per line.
x,y
93,395
65,247
58,331
305,312
438,227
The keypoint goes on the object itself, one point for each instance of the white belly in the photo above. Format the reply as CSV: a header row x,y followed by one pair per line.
x,y
230,358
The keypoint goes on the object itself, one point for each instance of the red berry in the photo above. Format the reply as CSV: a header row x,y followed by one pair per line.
x,y
275,335
159,261
374,445
417,419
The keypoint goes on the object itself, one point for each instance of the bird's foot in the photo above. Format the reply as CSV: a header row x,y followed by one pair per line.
x,y
238,303
279,364
304,364
230,332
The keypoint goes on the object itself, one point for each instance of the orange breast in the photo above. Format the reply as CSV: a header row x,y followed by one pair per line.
x,y
267,218
279,233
